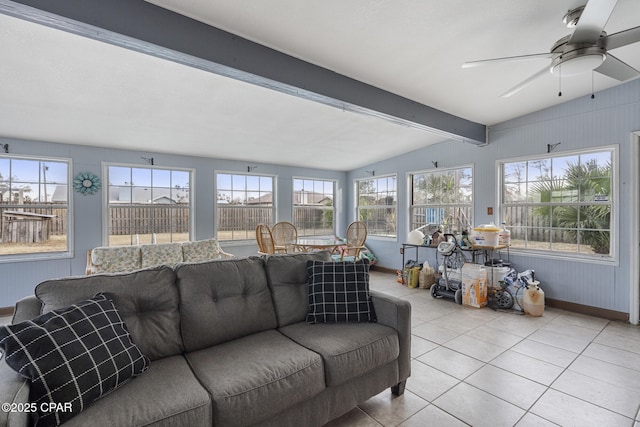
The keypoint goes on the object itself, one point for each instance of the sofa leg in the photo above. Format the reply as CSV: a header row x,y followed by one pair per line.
x,y
398,389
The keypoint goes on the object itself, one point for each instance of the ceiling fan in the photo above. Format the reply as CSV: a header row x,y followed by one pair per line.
x,y
586,49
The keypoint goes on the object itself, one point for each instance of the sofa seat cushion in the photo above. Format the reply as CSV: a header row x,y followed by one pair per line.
x,y
114,259
347,349
253,378
163,254
168,394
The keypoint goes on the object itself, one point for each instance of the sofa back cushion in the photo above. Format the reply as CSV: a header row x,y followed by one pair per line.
x,y
162,254
147,300
223,300
202,250
112,259
288,278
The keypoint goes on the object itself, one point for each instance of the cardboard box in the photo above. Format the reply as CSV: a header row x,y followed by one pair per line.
x,y
474,285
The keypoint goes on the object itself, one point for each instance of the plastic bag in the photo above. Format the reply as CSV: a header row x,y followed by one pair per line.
x,y
427,276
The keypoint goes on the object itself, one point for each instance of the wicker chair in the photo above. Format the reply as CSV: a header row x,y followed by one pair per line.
x,y
356,236
285,235
266,246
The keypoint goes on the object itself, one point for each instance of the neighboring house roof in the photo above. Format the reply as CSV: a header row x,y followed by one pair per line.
x,y
310,198
299,198
60,193
266,199
124,194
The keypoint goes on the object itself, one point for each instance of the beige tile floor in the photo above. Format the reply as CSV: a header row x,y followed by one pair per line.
x,y
486,368
480,367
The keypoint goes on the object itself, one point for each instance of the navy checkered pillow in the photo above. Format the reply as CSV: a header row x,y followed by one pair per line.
x,y
72,356
339,292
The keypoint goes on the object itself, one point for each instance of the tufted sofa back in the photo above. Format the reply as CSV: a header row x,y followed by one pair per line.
x,y
147,301
223,300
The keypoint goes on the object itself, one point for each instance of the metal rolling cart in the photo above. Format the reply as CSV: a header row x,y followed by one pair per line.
x,y
417,248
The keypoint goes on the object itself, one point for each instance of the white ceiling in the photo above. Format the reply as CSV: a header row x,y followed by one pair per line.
x,y
61,87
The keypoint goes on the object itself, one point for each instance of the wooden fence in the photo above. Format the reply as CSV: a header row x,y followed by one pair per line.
x,y
175,219
532,228
148,219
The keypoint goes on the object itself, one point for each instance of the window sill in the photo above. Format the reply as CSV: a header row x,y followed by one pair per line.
x,y
5,259
565,256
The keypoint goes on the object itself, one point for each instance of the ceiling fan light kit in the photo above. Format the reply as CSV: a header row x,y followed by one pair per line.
x,y
583,50
577,61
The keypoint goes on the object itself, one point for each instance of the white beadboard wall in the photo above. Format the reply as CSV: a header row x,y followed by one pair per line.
x,y
609,119
18,279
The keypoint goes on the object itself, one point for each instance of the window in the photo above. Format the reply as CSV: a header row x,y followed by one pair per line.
x,y
243,201
442,197
34,203
376,205
560,203
148,205
313,207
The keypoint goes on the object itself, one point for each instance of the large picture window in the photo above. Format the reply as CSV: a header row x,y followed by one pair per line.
x,y
148,205
377,205
243,201
313,207
561,203
34,205
442,198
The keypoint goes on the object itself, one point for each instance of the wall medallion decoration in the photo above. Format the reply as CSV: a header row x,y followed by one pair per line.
x,y
86,183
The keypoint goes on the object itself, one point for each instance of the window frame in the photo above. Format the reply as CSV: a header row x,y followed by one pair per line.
x,y
250,236
410,197
614,199
106,190
68,253
332,207
370,232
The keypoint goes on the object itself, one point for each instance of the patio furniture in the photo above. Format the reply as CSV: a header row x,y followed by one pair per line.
x,y
285,235
355,238
266,245
118,259
314,244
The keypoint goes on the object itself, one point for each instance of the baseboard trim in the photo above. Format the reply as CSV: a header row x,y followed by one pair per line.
x,y
6,311
586,309
384,269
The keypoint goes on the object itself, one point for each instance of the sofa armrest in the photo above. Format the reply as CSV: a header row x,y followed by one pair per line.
x,y
396,313
26,309
14,390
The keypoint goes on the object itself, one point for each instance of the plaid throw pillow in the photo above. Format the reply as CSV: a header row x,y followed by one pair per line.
x,y
72,356
339,292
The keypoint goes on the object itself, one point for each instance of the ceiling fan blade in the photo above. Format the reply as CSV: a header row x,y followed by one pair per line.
x,y
525,83
594,17
616,69
470,64
623,38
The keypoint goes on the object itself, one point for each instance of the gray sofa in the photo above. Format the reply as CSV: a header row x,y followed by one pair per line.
x,y
229,346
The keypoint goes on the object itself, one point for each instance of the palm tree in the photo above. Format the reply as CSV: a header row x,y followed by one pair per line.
x,y
583,182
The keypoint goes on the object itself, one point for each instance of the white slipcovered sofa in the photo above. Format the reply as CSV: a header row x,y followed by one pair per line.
x,y
117,259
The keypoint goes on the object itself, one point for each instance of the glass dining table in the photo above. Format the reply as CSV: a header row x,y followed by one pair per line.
x,y
314,244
